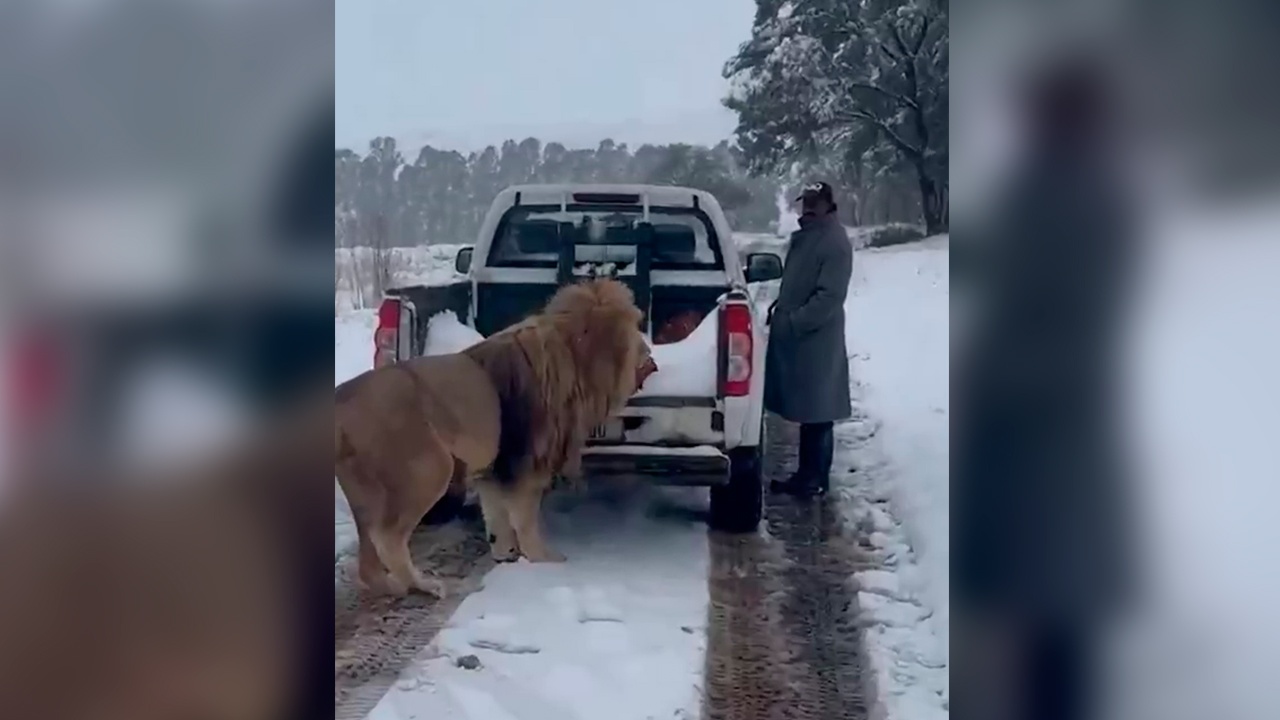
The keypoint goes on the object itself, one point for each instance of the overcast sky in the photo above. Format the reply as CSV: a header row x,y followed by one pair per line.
x,y
465,73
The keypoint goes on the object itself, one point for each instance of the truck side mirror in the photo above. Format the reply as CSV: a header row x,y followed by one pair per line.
x,y
763,267
462,261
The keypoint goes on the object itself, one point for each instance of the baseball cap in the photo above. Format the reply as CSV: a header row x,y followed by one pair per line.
x,y
818,190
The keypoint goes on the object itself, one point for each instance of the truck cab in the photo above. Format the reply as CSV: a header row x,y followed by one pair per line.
x,y
673,247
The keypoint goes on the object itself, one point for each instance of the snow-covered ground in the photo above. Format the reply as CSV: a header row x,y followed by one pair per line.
x,y
352,355
619,631
897,334
420,265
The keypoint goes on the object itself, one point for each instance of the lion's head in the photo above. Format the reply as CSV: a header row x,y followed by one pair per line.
x,y
600,320
564,370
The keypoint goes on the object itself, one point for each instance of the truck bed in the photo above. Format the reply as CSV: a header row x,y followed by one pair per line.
x,y
501,306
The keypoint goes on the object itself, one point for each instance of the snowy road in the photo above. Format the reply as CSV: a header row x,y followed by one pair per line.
x,y
622,622
652,617
834,610
783,636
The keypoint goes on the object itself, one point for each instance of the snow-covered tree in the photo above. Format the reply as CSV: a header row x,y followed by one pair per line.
x,y
862,83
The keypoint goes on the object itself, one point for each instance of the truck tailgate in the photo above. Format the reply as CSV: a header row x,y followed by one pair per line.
x,y
670,421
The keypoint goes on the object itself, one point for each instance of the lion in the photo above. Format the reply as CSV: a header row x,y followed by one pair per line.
x,y
558,373
504,416
405,433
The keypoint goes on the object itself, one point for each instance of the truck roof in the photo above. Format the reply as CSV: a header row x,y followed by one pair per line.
x,y
661,195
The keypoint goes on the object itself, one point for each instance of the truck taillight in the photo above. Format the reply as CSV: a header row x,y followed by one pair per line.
x,y
735,328
387,334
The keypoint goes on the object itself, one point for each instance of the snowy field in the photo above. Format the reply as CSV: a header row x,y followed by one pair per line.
x,y
354,272
619,631
897,335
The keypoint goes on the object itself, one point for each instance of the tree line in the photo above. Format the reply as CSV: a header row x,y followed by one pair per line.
x,y
441,196
850,91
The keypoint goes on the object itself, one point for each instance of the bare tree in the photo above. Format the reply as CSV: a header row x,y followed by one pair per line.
x,y
380,251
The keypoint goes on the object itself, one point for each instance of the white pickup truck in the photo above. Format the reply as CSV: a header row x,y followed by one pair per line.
x,y
674,248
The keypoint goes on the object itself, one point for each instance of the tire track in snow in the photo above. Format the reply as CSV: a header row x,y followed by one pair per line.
x,y
376,638
782,639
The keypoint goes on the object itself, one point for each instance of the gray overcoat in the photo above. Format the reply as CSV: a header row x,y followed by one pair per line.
x,y
807,365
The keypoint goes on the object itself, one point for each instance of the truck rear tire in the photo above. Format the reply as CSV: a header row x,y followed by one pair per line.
x,y
738,506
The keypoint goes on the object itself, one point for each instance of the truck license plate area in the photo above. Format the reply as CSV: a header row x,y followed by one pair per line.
x,y
610,431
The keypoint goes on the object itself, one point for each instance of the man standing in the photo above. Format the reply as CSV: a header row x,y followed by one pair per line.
x,y
806,366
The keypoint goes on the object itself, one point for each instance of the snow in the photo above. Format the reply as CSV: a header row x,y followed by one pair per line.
x,y
352,344
419,265
618,631
352,355
897,317
686,368
788,218
446,334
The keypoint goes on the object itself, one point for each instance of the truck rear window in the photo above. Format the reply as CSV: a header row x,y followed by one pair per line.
x,y
529,236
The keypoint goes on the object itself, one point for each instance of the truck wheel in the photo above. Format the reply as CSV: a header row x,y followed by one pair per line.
x,y
738,506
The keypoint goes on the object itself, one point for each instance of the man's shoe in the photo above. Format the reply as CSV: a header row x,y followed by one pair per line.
x,y
824,453
801,486
788,487
810,490
813,477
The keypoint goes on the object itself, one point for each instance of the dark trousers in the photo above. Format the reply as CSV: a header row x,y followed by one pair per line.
x,y
817,447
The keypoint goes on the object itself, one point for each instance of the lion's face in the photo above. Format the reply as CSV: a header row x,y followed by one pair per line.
x,y
600,320
638,366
